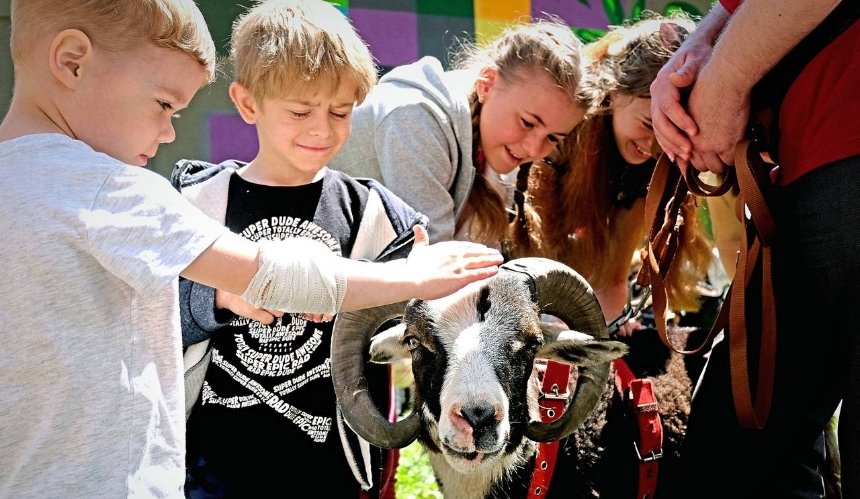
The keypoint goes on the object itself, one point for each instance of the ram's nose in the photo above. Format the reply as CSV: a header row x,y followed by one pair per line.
x,y
479,415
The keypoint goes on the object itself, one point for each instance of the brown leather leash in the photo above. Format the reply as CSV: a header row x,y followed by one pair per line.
x,y
666,194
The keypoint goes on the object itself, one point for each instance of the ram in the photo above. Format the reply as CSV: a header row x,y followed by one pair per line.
x,y
473,359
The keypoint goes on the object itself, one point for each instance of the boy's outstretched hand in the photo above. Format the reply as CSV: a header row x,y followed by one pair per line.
x,y
442,268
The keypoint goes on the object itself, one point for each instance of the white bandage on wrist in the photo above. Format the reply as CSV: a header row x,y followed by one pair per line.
x,y
298,275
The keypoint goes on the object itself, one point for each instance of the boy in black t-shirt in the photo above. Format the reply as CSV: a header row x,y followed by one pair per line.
x,y
264,421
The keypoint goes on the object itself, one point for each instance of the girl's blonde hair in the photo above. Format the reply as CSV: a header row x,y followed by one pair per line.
x,y
115,26
283,46
521,50
568,214
627,58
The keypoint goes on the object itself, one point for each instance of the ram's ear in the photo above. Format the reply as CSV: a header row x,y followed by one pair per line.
x,y
580,349
387,346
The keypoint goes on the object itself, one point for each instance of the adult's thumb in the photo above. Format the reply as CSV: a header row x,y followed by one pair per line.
x,y
683,77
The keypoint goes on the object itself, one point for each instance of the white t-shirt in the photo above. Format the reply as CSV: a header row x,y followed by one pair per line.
x,y
91,387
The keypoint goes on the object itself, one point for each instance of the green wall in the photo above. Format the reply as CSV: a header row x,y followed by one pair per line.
x,y
5,58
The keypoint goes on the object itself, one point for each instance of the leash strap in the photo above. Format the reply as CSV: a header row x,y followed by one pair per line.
x,y
755,249
759,227
553,398
666,193
639,393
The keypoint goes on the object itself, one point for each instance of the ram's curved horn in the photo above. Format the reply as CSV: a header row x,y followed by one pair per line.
x,y
351,335
560,291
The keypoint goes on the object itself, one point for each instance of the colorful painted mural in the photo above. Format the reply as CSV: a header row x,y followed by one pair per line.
x,y
398,32
401,31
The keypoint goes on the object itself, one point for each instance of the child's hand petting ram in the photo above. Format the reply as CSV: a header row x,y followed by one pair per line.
x,y
442,268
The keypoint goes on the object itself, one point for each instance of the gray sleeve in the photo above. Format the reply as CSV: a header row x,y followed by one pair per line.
x,y
144,232
197,312
418,158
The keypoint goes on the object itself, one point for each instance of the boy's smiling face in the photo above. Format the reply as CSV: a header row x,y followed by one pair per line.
x,y
126,106
299,133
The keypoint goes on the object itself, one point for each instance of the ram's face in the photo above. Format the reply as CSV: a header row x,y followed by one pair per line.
x,y
472,357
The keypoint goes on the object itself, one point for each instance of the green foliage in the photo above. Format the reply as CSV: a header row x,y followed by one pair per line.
x,y
673,7
615,15
637,9
614,11
414,475
588,35
705,219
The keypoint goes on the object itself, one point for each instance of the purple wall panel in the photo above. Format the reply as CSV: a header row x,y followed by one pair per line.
x,y
572,12
392,36
231,138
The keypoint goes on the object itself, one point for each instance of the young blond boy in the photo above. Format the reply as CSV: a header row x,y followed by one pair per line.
x,y
299,69
91,394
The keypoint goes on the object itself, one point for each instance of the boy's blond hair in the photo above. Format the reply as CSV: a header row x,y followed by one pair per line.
x,y
284,46
115,26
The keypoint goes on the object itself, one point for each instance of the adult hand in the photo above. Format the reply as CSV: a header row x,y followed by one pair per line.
x,y
673,125
721,112
235,303
442,268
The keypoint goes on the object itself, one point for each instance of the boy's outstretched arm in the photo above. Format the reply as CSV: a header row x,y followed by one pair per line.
x,y
302,276
430,271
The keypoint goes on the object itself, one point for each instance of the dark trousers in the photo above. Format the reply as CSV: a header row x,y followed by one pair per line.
x,y
817,285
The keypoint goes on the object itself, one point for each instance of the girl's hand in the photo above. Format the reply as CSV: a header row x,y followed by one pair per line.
x,y
629,327
317,317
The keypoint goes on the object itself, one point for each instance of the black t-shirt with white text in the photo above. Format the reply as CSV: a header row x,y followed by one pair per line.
x,y
265,421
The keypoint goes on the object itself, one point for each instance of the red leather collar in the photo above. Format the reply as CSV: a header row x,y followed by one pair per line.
x,y
552,400
639,393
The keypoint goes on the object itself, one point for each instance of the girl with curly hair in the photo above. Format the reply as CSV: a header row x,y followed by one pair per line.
x,y
584,207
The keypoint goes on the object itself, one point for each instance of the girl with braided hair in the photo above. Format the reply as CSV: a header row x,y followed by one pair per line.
x,y
447,141
585,207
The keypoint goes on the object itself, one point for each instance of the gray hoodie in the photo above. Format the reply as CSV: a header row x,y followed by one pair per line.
x,y
413,133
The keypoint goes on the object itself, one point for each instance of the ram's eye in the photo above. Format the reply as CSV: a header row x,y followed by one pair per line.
x,y
412,342
533,343
525,345
483,303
